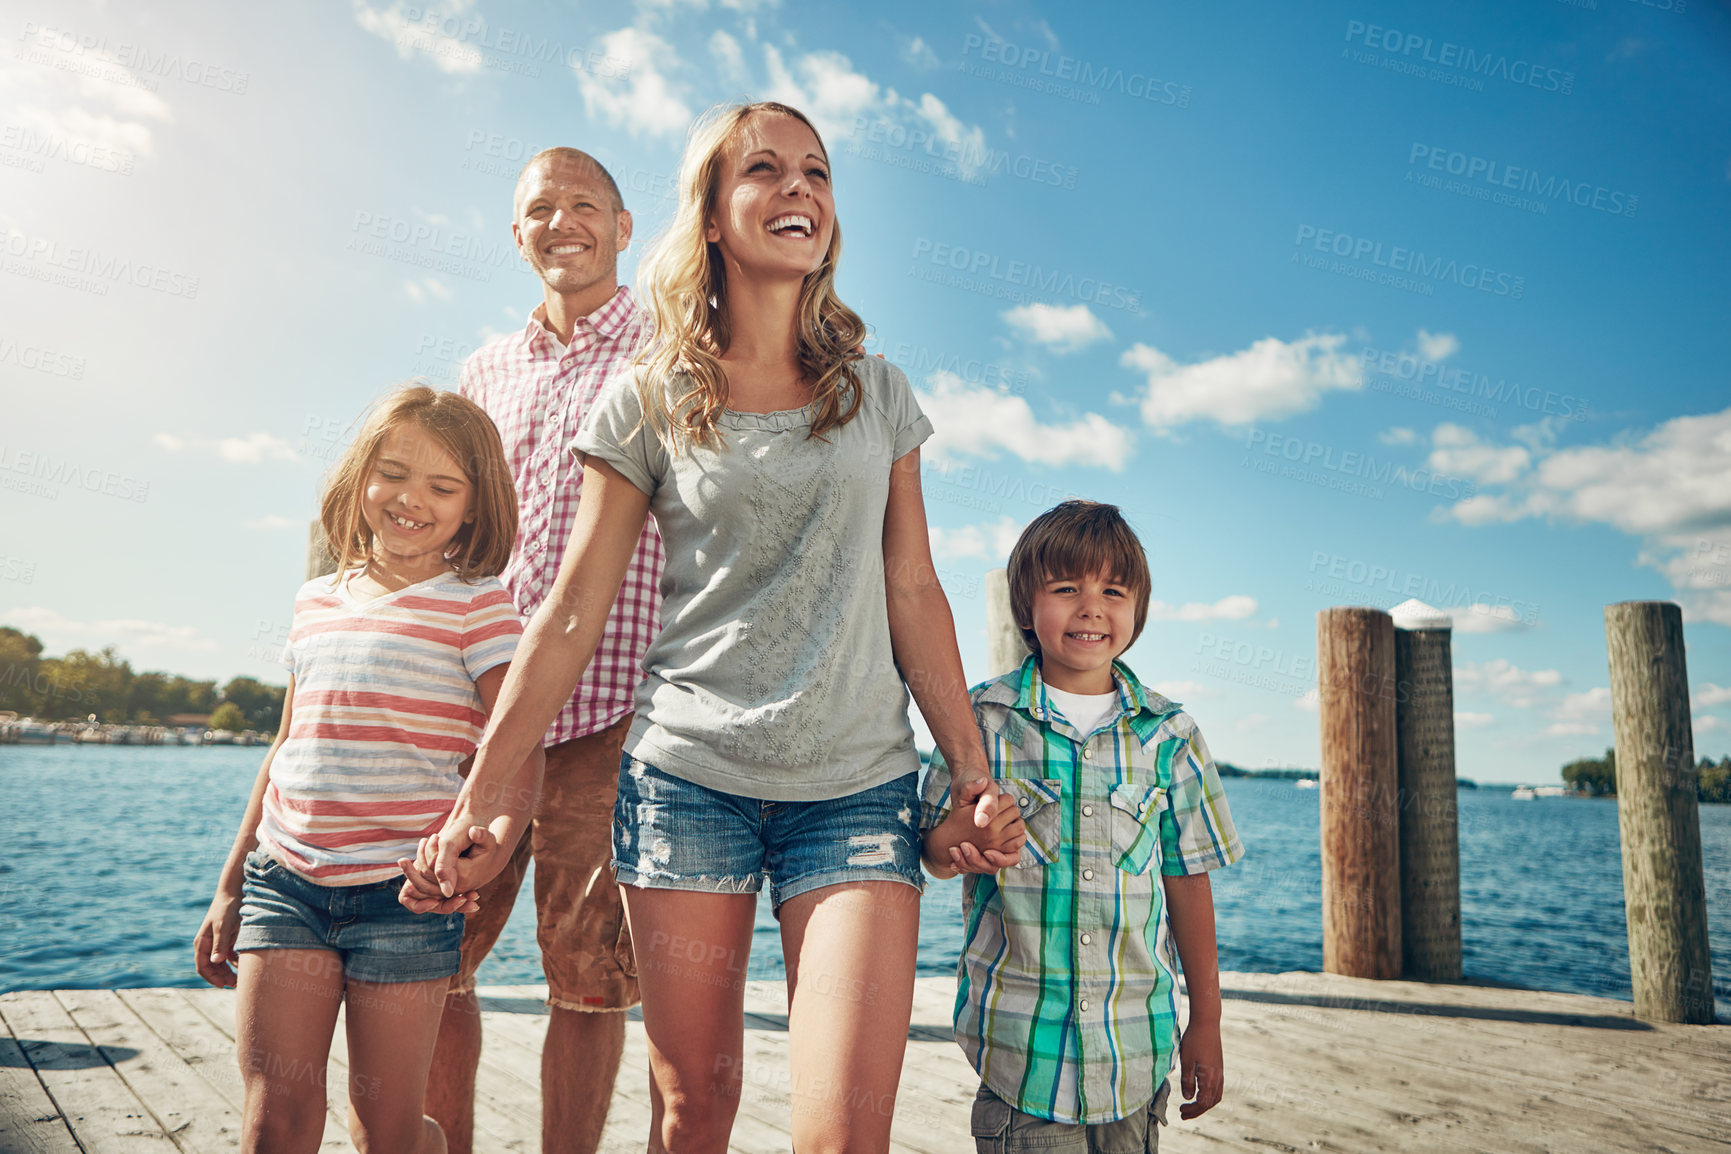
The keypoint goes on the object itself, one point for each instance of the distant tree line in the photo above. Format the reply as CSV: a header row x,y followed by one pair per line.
x,y
81,683
1597,777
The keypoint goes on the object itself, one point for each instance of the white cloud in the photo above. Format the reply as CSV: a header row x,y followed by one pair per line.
x,y
1709,695
1310,701
827,88
919,54
1397,436
1063,329
253,449
1251,722
1485,618
1670,486
1437,346
991,542
1707,724
824,86
1507,682
983,422
59,632
1458,452
1235,607
729,59
1464,720
449,52
1179,690
1269,380
431,286
270,522
640,99
62,109
1582,713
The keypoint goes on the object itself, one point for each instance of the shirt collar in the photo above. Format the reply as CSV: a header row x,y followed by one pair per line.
x,y
610,320
1025,691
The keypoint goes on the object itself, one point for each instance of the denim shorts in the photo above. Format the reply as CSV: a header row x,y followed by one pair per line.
x,y
375,937
669,833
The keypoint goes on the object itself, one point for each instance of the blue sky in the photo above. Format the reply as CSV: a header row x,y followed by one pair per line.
x,y
1342,302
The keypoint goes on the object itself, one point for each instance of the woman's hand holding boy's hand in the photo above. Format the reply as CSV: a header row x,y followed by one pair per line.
x,y
996,845
213,953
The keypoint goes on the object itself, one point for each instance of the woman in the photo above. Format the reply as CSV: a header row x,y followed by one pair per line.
x,y
771,734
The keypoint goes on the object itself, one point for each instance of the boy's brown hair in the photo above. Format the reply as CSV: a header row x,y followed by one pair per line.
x,y
482,547
1074,540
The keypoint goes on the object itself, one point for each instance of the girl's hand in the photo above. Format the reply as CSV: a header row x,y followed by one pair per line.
x,y
213,953
421,893
462,857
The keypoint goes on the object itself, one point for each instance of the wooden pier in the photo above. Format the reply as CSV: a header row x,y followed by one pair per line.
x,y
1315,1062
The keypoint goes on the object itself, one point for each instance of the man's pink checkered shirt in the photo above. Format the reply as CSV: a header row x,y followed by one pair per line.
x,y
538,393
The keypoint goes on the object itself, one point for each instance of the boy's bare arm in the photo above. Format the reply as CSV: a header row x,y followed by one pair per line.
x,y
1202,1070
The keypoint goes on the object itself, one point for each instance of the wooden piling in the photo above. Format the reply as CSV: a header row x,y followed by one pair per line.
x,y
1356,686
1664,893
1005,649
1430,860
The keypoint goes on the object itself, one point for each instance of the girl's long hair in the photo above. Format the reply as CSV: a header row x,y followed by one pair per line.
x,y
683,280
482,547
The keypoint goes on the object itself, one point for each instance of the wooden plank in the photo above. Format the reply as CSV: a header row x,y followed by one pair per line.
x,y
100,1109
30,1122
195,1116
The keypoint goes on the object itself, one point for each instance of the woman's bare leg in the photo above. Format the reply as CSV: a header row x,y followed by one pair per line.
x,y
392,1027
691,958
288,1001
850,980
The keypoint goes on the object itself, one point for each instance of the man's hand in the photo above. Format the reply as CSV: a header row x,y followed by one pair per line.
x,y
464,857
1201,1070
421,893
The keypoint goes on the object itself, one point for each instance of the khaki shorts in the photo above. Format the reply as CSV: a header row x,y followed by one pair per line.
x,y
580,922
1000,1128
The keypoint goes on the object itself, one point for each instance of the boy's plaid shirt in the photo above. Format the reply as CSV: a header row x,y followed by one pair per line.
x,y
1066,1002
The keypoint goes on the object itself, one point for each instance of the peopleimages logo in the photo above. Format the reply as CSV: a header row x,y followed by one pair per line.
x,y
1418,49
1399,259
977,270
1496,175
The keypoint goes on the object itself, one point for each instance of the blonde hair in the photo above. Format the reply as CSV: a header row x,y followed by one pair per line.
x,y
684,286
482,547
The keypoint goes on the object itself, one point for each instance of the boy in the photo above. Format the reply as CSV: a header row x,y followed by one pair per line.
x,y
1066,1002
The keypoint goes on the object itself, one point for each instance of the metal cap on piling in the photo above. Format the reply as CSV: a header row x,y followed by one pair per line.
x,y
1430,862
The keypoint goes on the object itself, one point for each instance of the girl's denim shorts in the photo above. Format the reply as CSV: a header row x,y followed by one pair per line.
x,y
376,938
669,833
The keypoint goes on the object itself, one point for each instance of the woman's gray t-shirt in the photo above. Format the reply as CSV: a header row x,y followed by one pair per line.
x,y
773,675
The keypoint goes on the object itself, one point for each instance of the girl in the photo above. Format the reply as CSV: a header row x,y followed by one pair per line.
x,y
394,662
799,606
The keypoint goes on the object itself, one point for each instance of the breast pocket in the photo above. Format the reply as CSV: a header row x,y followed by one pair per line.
x,y
1136,825
1041,804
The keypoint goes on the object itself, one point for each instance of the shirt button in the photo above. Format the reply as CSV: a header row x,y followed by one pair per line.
x,y
1087,811
1022,801
1084,1005
1087,939
1087,875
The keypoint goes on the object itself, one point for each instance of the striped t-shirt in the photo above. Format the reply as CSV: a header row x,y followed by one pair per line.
x,y
385,709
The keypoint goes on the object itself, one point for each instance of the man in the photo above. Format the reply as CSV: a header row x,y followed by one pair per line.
x,y
570,224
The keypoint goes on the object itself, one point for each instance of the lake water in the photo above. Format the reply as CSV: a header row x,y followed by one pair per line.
x,y
110,855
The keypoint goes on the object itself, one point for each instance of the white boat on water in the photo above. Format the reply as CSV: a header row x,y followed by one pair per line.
x,y
33,732
1524,793
1306,783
